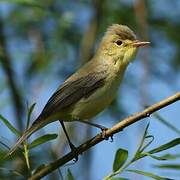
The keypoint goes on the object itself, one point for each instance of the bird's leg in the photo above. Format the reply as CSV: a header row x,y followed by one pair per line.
x,y
71,145
103,128
93,124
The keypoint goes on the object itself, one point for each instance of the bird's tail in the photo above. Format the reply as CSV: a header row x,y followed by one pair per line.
x,y
25,135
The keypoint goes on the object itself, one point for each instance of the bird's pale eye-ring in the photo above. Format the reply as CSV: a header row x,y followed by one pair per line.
x,y
118,42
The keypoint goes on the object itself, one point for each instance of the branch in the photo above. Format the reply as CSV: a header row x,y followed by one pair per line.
x,y
110,132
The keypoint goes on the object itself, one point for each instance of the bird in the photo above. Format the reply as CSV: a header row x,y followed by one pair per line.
x,y
93,87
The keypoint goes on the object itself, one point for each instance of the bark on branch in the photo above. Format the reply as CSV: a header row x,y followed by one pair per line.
x,y
110,132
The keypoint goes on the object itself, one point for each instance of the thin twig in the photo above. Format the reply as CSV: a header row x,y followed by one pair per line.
x,y
109,133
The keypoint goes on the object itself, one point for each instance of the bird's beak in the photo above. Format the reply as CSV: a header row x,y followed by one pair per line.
x,y
138,43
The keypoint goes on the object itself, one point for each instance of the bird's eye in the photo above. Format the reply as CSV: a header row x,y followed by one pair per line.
x,y
119,42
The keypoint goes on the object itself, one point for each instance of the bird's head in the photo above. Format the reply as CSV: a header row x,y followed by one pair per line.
x,y
120,43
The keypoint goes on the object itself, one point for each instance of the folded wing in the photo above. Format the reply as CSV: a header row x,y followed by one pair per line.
x,y
72,91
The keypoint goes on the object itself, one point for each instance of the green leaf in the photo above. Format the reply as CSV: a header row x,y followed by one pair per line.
x,y
41,140
147,174
10,126
147,143
141,145
169,156
143,138
166,123
69,175
166,146
162,158
168,166
163,147
29,114
120,158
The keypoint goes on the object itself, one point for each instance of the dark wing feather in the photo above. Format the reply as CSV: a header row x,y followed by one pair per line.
x,y
72,91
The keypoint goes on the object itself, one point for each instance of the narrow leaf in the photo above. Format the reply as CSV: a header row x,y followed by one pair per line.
x,y
120,158
148,174
168,166
143,138
166,146
139,149
69,175
143,146
162,158
41,140
169,156
29,114
10,126
151,139
163,147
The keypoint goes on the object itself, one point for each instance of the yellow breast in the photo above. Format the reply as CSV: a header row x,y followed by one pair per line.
x,y
89,107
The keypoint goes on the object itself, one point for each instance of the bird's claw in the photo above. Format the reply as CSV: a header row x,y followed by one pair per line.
x,y
74,150
103,129
111,138
75,159
104,136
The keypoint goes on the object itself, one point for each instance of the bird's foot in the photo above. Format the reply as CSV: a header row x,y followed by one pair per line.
x,y
74,150
104,136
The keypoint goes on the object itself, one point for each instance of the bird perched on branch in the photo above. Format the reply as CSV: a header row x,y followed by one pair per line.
x,y
93,87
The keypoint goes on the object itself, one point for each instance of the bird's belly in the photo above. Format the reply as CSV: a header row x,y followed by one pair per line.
x,y
89,107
